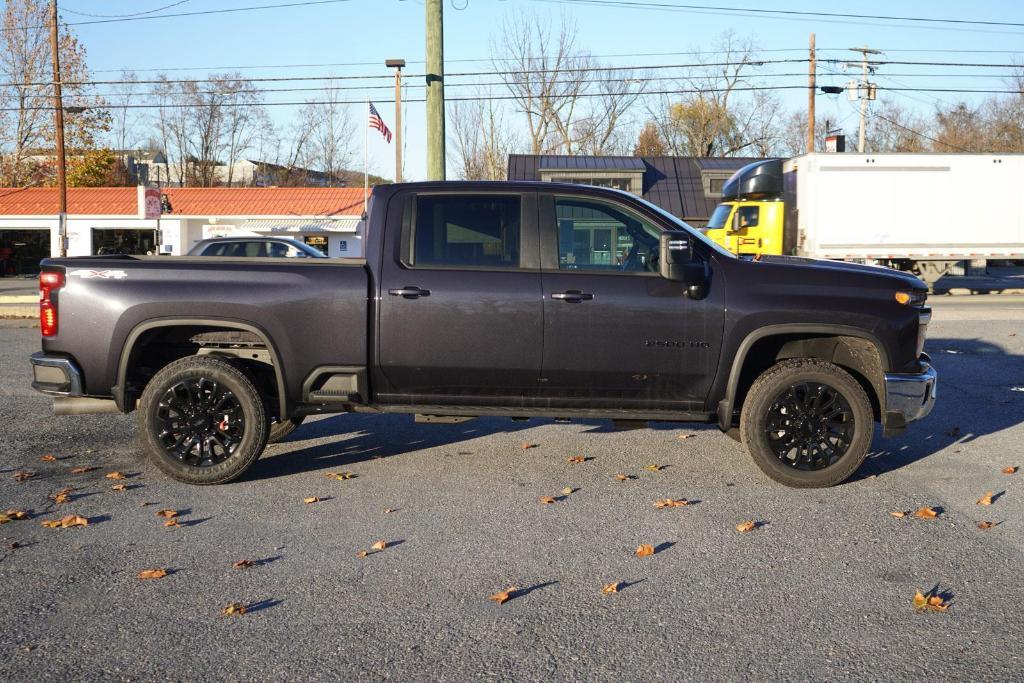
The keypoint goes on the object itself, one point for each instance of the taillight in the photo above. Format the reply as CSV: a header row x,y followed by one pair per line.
x,y
49,281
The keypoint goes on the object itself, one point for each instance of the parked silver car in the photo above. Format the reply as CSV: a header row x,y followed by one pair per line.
x,y
249,247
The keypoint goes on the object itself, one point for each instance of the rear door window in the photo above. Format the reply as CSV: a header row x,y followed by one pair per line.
x,y
469,231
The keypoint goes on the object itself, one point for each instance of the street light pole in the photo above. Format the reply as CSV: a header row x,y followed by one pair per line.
x,y
58,104
397,65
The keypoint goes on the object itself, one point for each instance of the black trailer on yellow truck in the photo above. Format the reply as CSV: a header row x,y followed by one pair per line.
x,y
917,212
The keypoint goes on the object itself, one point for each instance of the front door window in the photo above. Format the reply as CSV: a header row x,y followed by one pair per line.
x,y
600,237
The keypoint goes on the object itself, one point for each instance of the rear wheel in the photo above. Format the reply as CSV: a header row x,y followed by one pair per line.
x,y
807,423
202,421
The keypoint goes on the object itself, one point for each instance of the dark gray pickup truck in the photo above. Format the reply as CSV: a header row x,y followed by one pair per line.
x,y
511,299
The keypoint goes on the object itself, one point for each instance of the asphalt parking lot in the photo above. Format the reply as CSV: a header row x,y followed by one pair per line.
x,y
822,589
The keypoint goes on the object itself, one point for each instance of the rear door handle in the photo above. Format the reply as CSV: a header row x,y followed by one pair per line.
x,y
573,296
409,292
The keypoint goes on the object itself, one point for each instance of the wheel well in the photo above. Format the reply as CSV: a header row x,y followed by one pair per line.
x,y
860,357
158,346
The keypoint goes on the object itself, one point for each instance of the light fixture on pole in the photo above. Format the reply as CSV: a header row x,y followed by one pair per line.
x,y
397,65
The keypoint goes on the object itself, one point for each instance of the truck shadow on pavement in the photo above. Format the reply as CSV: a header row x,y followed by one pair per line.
x,y
975,399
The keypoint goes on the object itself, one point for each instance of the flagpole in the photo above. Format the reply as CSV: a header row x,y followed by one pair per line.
x,y
366,161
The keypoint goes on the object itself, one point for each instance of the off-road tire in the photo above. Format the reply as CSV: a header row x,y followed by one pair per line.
x,y
255,429
279,430
768,387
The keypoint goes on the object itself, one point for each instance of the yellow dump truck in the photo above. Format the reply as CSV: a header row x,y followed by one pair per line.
x,y
918,212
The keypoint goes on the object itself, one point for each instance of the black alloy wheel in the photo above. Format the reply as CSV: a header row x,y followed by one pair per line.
x,y
810,426
201,422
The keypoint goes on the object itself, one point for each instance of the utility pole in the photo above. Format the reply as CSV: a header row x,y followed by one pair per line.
x,y
435,90
58,106
865,90
811,90
397,65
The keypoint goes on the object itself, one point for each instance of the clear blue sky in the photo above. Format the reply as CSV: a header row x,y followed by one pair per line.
x,y
369,31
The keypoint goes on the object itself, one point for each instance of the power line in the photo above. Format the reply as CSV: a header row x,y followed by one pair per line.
x,y
787,12
125,16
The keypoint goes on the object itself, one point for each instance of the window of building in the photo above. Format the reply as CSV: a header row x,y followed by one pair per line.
x,y
128,241
628,181
598,236
473,231
714,181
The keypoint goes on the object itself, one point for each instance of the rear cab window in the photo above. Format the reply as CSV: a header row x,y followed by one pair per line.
x,y
466,231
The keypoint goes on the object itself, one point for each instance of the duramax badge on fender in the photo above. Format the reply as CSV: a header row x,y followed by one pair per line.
x,y
641,318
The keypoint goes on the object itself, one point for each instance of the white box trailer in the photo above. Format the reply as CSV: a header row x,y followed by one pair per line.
x,y
922,212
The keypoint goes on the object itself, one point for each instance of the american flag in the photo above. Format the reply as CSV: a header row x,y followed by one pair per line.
x,y
377,122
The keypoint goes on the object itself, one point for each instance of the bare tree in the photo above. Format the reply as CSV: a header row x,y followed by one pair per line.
x,y
331,133
124,130
481,139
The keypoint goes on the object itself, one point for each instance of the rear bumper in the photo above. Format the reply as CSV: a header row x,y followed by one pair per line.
x,y
909,397
55,375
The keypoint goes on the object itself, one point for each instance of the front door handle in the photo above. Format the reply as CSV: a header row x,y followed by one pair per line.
x,y
573,296
409,292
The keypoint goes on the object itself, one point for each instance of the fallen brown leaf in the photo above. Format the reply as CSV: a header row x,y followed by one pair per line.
x,y
379,545
83,470
624,477
158,573
612,587
898,513
503,596
242,564
985,525
388,511
4,518
22,475
340,476
933,602
744,527
1010,470
527,445
118,487
115,475
671,503
547,500
644,550
577,459
684,437
167,513
567,490
986,499
16,514
173,522
14,545
62,496
47,458
233,609
927,512
654,468
311,499
66,522
362,553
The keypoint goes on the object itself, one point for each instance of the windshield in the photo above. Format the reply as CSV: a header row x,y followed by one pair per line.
x,y
719,217
682,225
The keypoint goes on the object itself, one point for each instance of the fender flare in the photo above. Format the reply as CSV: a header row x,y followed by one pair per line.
x,y
155,323
725,406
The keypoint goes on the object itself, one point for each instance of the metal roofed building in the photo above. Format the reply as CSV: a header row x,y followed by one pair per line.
x,y
687,187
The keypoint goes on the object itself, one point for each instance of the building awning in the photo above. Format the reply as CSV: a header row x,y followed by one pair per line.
x,y
300,225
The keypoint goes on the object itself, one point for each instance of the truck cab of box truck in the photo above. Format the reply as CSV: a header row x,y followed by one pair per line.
x,y
751,218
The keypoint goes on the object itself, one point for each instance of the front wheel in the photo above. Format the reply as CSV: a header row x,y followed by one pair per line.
x,y
202,421
807,423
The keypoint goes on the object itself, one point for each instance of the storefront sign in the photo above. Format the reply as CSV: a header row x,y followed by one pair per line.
x,y
149,203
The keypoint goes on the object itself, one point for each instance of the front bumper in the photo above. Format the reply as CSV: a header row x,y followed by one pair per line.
x,y
55,375
909,397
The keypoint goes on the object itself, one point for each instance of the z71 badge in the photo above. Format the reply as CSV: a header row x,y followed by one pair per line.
x,y
100,274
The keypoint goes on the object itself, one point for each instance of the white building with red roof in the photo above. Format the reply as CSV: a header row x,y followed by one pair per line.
x,y
106,220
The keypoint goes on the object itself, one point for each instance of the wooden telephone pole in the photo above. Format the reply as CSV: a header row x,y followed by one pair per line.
x,y
435,90
58,108
812,87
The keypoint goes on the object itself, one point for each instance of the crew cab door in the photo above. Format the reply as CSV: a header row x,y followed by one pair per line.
x,y
616,334
460,299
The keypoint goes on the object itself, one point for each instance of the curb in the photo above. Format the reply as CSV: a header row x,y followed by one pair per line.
x,y
19,299
19,311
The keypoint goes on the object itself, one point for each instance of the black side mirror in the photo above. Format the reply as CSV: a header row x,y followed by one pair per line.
x,y
677,262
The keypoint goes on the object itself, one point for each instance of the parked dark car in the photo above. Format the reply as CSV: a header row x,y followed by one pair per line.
x,y
252,247
510,299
